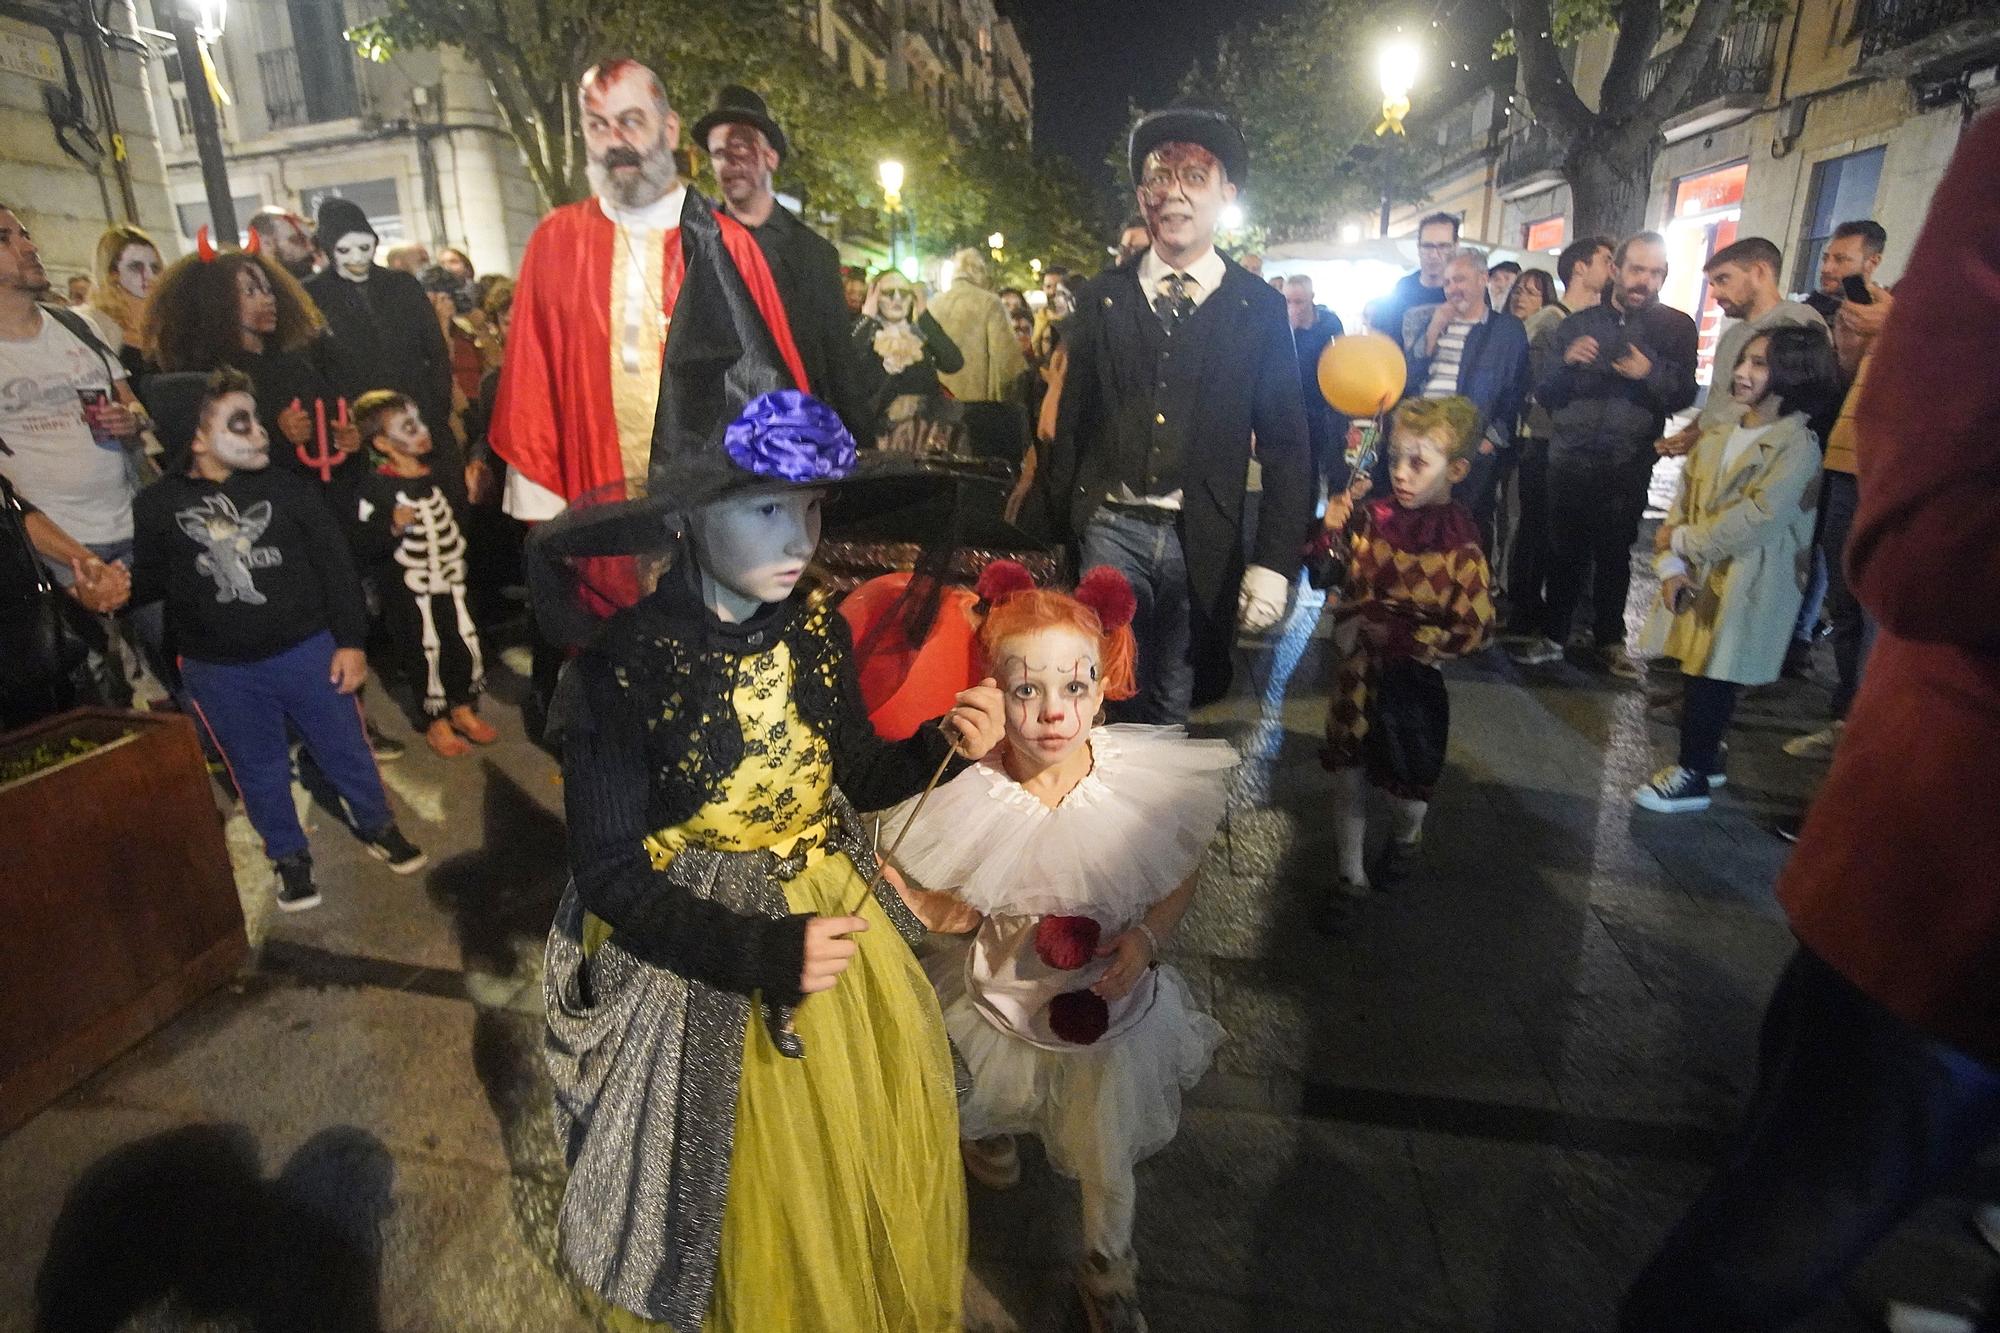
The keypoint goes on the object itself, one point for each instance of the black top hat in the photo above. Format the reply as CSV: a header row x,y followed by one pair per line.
x,y
737,105
1191,122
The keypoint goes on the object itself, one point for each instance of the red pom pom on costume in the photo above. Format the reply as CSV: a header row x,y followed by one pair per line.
x,y
1002,578
1079,1017
1106,591
1066,942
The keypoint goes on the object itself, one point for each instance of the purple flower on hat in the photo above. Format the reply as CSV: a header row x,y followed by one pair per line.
x,y
789,435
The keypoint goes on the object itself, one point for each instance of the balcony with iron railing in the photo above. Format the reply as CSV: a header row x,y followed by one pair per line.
x,y
1530,161
284,88
1735,77
1902,37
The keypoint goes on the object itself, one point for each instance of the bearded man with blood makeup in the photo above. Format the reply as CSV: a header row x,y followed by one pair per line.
x,y
598,293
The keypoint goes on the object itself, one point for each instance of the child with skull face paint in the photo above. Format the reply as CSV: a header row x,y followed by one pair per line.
x,y
1069,854
1413,593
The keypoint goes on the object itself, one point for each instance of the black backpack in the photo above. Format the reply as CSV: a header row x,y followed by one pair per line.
x,y
42,648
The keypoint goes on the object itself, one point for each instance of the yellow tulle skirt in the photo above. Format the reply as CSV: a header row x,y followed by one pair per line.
x,y
846,1206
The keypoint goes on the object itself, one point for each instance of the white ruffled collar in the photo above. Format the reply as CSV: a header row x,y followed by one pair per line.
x,y
1105,753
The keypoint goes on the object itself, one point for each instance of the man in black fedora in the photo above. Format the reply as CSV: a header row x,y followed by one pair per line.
x,y
746,148
1176,358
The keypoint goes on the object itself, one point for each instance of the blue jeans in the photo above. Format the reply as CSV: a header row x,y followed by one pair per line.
x,y
1149,554
1856,1119
245,706
1853,627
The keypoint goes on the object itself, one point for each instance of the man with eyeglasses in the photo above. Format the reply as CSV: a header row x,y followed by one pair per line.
x,y
1437,239
1175,358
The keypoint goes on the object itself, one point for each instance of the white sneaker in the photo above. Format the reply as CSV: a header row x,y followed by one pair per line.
x,y
1537,652
1816,745
1674,791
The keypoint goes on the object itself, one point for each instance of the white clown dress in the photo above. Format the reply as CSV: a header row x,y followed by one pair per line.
x,y
1124,838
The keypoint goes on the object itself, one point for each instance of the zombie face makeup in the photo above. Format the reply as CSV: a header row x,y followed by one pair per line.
x,y
354,255
137,269
1050,681
1422,470
754,545
1182,192
256,304
232,435
628,135
892,301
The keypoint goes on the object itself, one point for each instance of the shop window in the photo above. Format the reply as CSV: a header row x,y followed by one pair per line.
x,y
1545,234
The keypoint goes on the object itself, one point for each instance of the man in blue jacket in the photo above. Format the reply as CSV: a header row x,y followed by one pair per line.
x,y
1459,346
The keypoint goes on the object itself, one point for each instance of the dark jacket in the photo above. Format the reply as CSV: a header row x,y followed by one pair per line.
x,y
388,338
941,354
1597,413
1323,424
1492,371
806,268
1244,372
312,377
248,567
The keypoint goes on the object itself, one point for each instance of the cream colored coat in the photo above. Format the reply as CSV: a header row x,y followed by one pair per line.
x,y
1748,536
978,323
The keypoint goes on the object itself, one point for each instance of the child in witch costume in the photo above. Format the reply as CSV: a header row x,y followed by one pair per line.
x,y
1070,854
752,1077
406,527
1412,584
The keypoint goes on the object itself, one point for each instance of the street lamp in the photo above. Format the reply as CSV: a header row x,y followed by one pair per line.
x,y
890,173
996,242
1397,64
193,22
1035,267
1232,217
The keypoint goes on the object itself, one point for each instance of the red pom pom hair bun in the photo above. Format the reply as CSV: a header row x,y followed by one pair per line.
x,y
1108,593
1079,1017
1003,578
1067,942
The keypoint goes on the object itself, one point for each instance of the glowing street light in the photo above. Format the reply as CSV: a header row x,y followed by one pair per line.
x,y
1397,64
890,173
1035,265
996,242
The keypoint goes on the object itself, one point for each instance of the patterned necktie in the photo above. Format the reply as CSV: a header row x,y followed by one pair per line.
x,y
1173,305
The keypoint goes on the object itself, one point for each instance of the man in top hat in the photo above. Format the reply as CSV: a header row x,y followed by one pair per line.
x,y
1176,358
746,148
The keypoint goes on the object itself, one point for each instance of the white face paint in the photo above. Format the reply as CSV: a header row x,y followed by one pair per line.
x,y
231,432
754,545
1050,680
138,267
354,255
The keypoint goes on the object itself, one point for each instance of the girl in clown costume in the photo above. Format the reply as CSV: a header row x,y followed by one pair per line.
x,y
1062,863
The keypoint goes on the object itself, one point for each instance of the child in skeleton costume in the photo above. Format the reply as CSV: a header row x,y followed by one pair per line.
x,y
1412,591
1070,855
407,528
753,1082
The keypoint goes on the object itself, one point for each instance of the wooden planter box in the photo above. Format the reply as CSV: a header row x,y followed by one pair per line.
x,y
117,905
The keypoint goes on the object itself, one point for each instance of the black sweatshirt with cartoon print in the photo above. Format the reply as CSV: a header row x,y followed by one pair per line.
x,y
249,567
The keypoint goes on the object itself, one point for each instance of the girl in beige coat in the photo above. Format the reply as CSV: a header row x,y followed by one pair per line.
x,y
1735,551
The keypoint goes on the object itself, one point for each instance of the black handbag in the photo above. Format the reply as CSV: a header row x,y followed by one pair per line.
x,y
38,646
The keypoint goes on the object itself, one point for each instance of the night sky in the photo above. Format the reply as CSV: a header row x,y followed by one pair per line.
x,y
1091,57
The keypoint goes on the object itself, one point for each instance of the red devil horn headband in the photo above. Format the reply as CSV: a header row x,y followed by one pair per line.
x,y
206,248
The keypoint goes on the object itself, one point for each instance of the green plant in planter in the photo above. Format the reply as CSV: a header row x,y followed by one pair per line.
x,y
46,755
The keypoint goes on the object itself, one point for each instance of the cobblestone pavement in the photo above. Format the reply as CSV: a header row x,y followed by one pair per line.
x,y
1477,1110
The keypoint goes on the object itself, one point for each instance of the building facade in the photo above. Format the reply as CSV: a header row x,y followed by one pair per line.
x,y
959,56
81,155
415,142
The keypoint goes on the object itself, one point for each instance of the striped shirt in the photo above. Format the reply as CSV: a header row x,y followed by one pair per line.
x,y
1444,361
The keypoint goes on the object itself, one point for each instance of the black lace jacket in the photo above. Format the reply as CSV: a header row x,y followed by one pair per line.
x,y
650,735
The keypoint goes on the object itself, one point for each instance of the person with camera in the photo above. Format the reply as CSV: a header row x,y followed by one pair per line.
x,y
1627,365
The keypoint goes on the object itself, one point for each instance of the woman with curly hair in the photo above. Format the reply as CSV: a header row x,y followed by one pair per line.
x,y
243,310
128,264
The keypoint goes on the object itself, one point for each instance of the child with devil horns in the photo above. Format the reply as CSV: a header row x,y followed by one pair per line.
x,y
1062,863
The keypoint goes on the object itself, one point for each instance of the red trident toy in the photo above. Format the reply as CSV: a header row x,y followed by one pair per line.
x,y
328,458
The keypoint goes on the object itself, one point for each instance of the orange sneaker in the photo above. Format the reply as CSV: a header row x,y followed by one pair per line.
x,y
468,724
444,740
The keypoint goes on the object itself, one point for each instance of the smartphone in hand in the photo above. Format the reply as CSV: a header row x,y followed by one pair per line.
x,y
1854,288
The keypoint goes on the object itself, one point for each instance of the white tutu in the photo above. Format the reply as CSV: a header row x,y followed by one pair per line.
x,y
1124,838
1099,1109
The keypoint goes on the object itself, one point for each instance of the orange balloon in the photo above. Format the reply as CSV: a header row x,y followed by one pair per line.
x,y
1362,374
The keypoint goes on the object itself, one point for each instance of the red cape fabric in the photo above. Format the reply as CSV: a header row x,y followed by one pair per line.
x,y
553,418
1896,880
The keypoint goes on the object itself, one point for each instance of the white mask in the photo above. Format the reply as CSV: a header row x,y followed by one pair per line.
x,y
354,255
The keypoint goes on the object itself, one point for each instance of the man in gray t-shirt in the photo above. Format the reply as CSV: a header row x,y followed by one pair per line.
x,y
1744,280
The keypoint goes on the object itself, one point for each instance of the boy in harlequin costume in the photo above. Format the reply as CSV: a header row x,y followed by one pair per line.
x,y
753,1083
1414,594
1063,862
